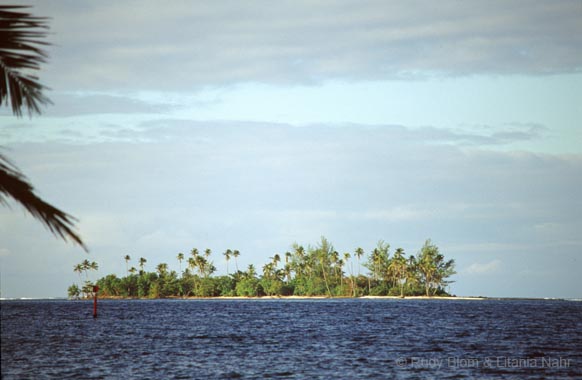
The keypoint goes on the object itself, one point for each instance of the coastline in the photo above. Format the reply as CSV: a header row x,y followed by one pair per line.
x,y
478,298
235,298
226,298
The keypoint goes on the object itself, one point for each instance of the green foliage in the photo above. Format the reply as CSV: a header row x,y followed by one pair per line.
x,y
87,289
433,269
249,287
271,287
74,292
187,284
207,288
225,286
299,286
128,286
316,271
110,285
144,284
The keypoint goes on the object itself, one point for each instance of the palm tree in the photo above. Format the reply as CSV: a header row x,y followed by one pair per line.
x,y
74,292
93,266
268,270
398,268
372,265
162,269
127,258
322,258
359,252
347,257
205,266
335,259
324,253
251,271
340,265
192,263
235,254
86,266
426,265
180,257
21,54
276,259
299,262
142,262
287,267
227,255
15,185
79,269
287,270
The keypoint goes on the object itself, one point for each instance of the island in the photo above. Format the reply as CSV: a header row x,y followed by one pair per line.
x,y
315,271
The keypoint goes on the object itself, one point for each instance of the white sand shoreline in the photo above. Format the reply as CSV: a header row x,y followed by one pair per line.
x,y
425,297
332,298
234,298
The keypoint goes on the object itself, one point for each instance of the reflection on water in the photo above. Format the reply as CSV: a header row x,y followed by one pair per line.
x,y
340,339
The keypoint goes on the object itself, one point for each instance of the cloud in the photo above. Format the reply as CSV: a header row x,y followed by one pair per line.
x,y
260,187
408,213
185,45
75,104
484,268
482,136
157,128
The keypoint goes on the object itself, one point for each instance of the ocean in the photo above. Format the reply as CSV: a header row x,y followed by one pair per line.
x,y
292,339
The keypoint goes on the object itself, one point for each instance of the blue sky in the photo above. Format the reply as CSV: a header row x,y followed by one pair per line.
x,y
254,126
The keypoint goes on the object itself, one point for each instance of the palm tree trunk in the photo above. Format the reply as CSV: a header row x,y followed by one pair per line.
x,y
325,279
427,287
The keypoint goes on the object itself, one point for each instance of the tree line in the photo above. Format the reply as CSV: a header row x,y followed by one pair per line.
x,y
318,270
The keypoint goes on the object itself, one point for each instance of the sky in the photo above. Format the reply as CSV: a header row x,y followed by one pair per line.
x,y
254,125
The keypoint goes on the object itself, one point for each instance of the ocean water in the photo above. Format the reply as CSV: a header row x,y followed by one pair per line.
x,y
294,339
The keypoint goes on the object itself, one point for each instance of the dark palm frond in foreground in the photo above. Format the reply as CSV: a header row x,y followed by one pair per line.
x,y
15,184
21,54
21,41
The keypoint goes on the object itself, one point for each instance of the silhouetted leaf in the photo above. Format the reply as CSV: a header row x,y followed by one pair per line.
x,y
15,185
21,39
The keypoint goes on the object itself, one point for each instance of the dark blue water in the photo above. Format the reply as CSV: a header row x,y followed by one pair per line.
x,y
295,339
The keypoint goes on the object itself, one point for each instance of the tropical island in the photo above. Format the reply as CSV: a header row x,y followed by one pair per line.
x,y
315,271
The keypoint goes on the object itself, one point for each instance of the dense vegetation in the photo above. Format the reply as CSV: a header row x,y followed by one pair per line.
x,y
315,271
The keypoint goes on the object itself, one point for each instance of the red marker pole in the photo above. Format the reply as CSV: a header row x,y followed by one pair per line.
x,y
95,290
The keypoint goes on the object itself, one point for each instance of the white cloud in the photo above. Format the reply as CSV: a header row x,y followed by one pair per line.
x,y
397,214
141,128
73,104
484,268
186,45
262,186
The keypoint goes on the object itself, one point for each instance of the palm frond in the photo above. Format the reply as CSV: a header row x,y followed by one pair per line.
x,y
14,184
21,53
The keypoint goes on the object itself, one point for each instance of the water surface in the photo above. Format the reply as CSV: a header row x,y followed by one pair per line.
x,y
295,339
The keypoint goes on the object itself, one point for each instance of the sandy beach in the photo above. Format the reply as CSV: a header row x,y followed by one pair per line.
x,y
305,298
424,298
326,297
